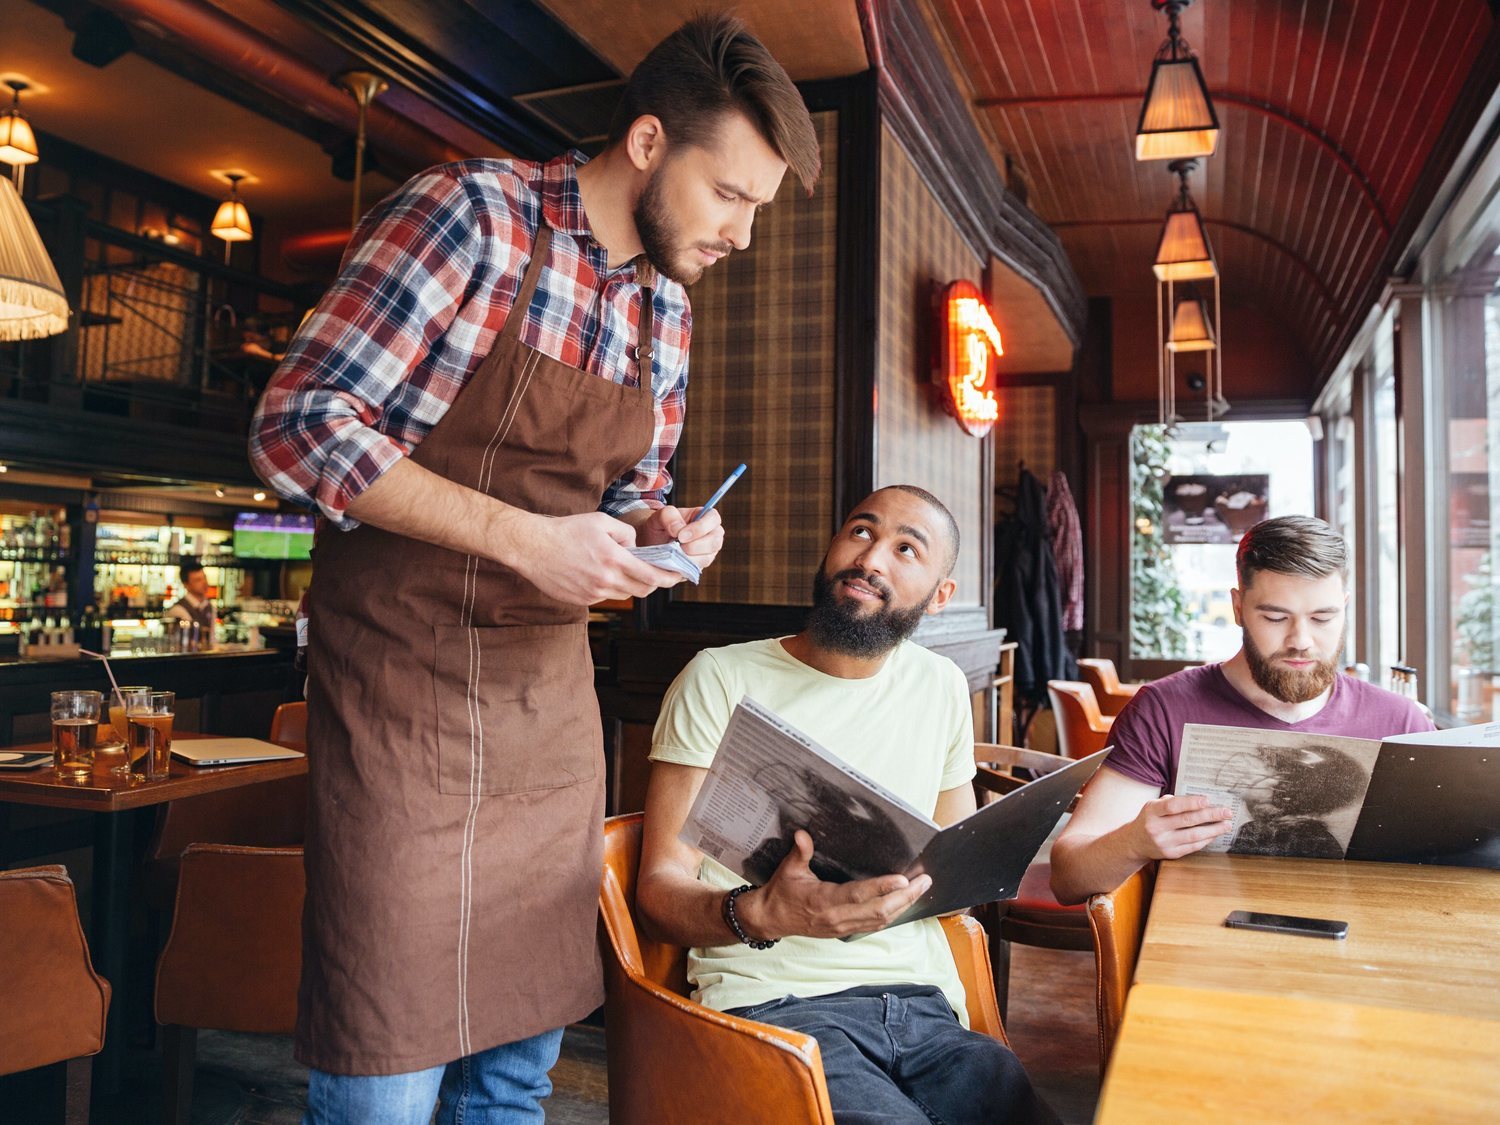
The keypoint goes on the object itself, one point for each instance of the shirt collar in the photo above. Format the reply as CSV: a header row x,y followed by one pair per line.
x,y
562,202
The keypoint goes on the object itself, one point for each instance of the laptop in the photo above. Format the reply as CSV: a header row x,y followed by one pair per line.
x,y
229,751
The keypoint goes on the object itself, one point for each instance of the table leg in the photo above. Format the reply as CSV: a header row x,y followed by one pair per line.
x,y
110,925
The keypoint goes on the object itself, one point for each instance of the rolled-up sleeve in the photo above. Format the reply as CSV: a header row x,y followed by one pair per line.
x,y
316,438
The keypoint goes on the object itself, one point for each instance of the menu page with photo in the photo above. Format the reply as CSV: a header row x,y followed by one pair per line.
x,y
1292,794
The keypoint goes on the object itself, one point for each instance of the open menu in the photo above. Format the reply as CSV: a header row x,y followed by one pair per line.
x,y
768,779
1430,797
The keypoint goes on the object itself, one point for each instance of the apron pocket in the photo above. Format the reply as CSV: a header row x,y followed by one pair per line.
x,y
516,709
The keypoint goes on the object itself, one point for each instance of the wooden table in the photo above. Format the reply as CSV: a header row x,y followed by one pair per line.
x,y
1400,1021
109,924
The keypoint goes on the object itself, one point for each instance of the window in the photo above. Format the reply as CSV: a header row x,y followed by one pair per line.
x,y
1195,491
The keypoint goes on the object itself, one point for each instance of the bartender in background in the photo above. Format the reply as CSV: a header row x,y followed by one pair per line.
x,y
195,606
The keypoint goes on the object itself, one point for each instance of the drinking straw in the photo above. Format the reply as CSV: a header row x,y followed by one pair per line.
x,y
100,656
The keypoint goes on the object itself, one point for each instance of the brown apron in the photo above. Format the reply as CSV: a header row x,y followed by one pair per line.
x,y
453,844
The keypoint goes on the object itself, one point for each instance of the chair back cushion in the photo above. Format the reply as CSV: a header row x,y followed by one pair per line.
x,y
289,726
1081,729
234,956
53,1004
656,961
1118,922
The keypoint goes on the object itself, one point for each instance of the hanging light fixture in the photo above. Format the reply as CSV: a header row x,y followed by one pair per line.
x,y
1177,117
364,87
17,141
32,303
1183,254
232,221
1192,331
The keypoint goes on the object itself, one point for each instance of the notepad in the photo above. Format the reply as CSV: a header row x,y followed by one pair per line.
x,y
670,556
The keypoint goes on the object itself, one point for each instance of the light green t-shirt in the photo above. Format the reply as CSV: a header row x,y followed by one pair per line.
x,y
909,727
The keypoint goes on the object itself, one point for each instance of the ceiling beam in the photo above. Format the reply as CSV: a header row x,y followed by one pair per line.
x,y
1260,105
1292,255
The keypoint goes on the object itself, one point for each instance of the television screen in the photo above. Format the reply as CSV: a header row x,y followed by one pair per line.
x,y
268,535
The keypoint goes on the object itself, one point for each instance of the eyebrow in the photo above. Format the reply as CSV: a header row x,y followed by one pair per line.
x,y
735,189
1310,613
902,528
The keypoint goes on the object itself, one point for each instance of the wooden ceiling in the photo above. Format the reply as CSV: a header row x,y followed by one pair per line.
x,y
1328,111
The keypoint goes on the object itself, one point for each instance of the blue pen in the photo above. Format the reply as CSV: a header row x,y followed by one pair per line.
x,y
719,493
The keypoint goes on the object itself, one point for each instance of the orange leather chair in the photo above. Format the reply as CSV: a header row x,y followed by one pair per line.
x,y
269,815
1081,729
52,1004
1118,923
673,1061
1111,695
289,726
234,955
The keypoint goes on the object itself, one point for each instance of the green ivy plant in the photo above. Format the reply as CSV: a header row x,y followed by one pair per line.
x,y
1159,618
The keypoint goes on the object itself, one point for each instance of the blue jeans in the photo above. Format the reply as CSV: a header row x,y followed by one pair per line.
x,y
502,1086
897,1053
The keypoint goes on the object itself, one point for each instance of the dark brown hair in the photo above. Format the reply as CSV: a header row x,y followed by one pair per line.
x,y
711,66
1298,545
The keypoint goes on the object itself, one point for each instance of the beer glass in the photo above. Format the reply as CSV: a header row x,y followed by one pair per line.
x,y
148,718
117,699
75,733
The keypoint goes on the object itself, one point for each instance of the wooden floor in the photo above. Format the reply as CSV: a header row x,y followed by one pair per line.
x,y
253,1080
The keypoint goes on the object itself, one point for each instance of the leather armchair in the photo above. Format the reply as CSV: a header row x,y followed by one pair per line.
x,y
54,1004
674,1061
1081,729
234,956
1118,923
1099,673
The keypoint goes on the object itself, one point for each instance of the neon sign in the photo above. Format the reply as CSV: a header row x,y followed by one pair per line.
x,y
969,346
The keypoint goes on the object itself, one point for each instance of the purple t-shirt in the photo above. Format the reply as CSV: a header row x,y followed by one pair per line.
x,y
1147,734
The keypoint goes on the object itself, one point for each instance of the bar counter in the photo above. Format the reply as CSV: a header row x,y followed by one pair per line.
x,y
226,692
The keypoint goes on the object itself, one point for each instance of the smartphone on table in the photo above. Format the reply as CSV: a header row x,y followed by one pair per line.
x,y
1286,924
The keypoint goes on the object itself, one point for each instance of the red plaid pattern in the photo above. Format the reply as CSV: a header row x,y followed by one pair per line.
x,y
422,294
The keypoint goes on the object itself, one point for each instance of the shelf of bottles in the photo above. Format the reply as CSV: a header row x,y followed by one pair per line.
x,y
136,567
35,550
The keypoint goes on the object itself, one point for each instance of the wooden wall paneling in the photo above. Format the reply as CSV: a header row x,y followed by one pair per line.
x,y
1106,537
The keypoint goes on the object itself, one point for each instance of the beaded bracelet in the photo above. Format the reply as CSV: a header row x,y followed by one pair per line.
x,y
734,922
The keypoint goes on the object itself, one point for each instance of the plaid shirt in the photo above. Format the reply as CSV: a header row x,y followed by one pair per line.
x,y
421,297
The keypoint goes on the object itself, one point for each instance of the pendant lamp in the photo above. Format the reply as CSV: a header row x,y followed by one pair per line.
x,y
17,141
232,221
1192,331
1183,254
1177,117
32,304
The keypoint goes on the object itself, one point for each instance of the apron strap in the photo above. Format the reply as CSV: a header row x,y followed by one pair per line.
x,y
513,321
645,331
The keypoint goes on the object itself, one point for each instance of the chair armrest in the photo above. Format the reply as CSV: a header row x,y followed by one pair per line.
x,y
971,956
1011,757
680,1058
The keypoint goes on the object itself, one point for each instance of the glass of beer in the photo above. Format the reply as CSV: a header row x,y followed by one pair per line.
x,y
75,733
120,759
148,719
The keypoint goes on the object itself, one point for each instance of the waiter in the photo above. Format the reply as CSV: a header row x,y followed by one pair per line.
x,y
483,407
195,606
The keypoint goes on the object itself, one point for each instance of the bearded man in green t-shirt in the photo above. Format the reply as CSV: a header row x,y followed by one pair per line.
x,y
887,1011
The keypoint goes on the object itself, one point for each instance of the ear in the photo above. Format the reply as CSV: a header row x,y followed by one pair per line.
x,y
941,596
1237,600
646,142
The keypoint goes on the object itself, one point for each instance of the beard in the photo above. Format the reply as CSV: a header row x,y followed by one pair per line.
x,y
660,237
843,627
1288,684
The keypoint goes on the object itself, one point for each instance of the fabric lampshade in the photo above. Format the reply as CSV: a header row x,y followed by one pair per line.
x,y
232,221
17,141
1191,329
1177,117
1183,253
32,304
